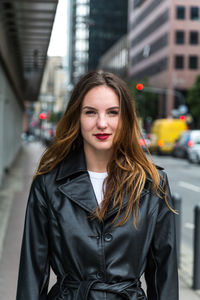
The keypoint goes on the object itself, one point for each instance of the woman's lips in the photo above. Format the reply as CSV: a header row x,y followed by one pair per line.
x,y
102,136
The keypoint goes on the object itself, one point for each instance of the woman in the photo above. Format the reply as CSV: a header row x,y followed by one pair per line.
x,y
99,213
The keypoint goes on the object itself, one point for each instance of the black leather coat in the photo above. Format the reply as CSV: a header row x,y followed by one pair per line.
x,y
94,260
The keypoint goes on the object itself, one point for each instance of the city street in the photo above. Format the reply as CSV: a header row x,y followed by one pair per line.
x,y
184,179
68,61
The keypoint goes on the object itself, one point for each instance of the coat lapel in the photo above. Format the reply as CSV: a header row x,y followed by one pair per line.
x,y
113,211
71,165
80,191
78,187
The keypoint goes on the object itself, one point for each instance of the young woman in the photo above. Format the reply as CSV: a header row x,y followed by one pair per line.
x,y
99,212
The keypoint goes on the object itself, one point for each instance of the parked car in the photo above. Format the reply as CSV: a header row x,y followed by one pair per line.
x,y
186,142
164,132
144,140
194,153
47,133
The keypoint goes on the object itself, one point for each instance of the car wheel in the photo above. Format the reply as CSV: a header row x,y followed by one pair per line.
x,y
190,160
159,152
193,159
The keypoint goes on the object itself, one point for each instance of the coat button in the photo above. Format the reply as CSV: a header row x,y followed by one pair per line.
x,y
108,237
100,275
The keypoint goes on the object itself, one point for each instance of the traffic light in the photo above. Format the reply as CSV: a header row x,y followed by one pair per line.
x,y
139,86
182,117
42,116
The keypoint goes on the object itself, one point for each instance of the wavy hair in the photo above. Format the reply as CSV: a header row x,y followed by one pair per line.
x,y
128,167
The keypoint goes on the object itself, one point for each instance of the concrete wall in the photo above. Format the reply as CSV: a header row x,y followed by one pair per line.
x,y
11,117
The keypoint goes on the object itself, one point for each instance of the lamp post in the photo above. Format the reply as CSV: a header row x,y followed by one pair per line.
x,y
164,92
161,91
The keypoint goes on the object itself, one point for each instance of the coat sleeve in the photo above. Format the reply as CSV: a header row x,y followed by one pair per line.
x,y
161,273
33,275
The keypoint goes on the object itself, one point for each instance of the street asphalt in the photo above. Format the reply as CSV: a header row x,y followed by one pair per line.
x,y
13,198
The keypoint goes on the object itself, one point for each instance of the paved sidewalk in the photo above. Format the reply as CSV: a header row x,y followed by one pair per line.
x,y
13,199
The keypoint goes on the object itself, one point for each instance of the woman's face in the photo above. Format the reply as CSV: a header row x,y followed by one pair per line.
x,y
99,118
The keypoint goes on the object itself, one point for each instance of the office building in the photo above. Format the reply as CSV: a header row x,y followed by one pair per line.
x,y
108,23
164,41
115,60
95,27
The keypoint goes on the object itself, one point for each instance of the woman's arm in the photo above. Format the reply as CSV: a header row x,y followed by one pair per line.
x,y
34,262
161,272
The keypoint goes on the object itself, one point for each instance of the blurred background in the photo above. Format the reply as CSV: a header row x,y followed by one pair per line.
x,y
46,46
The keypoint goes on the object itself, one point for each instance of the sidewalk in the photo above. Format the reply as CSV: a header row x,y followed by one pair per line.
x,y
13,199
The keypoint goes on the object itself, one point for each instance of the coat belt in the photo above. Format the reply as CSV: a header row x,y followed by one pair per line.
x,y
84,288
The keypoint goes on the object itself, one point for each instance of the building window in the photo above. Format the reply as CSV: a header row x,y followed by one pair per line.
x,y
194,37
180,37
194,13
193,62
180,12
179,62
137,3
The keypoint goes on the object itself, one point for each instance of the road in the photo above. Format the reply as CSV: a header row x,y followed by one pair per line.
x,y
184,178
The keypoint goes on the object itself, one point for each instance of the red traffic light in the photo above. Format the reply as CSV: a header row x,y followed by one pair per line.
x,y
42,116
139,86
183,118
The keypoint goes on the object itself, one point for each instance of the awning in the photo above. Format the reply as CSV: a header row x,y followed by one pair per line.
x,y
25,30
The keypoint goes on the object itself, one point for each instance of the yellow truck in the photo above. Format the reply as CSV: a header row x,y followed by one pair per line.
x,y
164,133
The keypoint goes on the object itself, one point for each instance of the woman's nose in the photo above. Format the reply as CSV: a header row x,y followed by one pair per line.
x,y
101,122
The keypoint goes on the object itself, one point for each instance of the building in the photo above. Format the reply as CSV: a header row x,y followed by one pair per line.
x,y
108,23
25,30
78,39
53,92
96,26
116,58
164,40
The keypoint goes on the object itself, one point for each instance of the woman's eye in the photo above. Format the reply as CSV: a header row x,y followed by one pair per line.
x,y
90,112
113,112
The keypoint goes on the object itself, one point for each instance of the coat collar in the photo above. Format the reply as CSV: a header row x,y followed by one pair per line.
x,y
79,188
75,163
72,164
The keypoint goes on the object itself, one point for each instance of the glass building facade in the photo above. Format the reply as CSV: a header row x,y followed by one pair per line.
x,y
107,24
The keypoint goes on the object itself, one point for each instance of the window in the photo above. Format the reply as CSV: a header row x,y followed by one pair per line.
x,y
180,37
179,62
194,13
193,62
194,37
180,12
137,3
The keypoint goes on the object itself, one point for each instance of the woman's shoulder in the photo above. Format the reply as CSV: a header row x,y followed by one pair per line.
x,y
60,170
162,173
159,168
45,179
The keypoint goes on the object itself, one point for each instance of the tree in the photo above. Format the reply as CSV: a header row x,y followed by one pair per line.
x,y
55,117
193,101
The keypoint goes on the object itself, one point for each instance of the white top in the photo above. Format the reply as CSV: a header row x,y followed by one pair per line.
x,y
97,183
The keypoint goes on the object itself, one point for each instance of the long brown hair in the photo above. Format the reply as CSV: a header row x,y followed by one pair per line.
x,y
128,167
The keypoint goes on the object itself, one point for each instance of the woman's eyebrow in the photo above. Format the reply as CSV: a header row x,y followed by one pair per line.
x,y
88,107
114,107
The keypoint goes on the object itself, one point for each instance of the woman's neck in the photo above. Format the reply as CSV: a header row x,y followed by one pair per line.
x,y
97,161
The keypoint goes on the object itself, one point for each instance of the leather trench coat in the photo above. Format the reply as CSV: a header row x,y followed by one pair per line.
x,y
93,260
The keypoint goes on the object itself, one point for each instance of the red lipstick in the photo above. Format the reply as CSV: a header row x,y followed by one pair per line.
x,y
102,136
